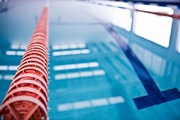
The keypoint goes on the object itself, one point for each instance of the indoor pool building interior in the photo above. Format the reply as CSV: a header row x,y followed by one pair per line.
x,y
90,59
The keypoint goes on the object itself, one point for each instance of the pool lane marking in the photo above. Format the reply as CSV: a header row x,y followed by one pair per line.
x,y
155,96
90,103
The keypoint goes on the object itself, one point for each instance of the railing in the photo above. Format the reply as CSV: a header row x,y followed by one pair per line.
x,y
176,16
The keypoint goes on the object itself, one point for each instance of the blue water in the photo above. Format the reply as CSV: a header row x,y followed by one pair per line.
x,y
91,76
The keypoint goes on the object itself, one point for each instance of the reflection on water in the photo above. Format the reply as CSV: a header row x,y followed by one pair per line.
x,y
160,66
152,61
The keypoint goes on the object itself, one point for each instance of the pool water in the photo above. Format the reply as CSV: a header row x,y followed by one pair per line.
x,y
97,71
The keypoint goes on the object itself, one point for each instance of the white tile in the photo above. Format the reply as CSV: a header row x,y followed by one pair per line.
x,y
23,47
98,72
60,76
85,51
59,67
56,47
81,105
73,75
10,52
76,52
93,64
57,53
70,52
99,102
20,53
14,46
73,46
82,65
86,74
79,74
64,46
3,67
66,52
13,68
70,66
81,45
65,107
115,100
76,66
8,77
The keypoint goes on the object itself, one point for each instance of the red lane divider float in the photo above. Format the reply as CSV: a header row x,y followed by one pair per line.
x,y
27,96
176,16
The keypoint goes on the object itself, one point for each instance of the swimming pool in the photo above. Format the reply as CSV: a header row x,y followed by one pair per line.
x,y
96,69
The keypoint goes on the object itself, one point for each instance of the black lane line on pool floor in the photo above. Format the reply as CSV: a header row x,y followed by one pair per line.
x,y
155,96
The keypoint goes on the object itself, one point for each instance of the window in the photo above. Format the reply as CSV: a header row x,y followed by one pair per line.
x,y
122,18
153,27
